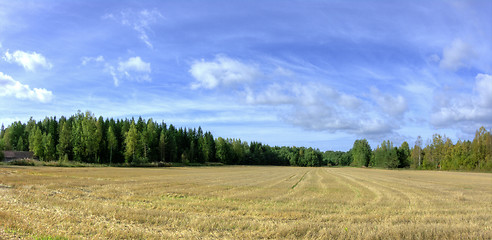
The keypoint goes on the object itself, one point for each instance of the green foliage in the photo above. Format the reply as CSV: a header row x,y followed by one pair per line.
x,y
131,144
49,147
404,155
83,138
112,143
416,155
361,152
338,158
386,156
224,151
38,144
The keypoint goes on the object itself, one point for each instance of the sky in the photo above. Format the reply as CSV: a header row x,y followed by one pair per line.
x,y
289,73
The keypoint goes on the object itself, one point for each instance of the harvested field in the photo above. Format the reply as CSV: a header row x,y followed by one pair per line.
x,y
243,203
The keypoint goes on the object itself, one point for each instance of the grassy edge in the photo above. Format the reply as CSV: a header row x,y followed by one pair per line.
x,y
36,163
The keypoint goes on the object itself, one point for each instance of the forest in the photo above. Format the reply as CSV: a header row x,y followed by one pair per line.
x,y
85,138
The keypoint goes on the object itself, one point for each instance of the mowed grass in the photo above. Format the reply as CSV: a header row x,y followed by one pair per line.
x,y
243,202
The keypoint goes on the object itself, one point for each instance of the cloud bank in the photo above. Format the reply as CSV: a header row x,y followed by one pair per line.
x,y
474,109
307,104
12,88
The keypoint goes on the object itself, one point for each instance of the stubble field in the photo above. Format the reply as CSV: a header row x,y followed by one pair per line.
x,y
243,203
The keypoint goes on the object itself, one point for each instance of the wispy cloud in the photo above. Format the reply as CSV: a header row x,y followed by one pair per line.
x,y
30,61
307,104
86,60
456,55
392,105
11,87
111,70
133,69
138,21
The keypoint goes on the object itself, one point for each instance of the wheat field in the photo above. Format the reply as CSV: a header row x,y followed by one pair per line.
x,y
243,202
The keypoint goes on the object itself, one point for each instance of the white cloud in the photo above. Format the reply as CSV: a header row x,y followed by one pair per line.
x,y
86,60
394,106
134,64
134,69
223,71
456,55
11,87
474,109
484,89
307,104
315,106
274,94
319,107
138,21
30,61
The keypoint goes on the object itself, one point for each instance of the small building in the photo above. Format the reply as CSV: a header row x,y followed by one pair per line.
x,y
14,155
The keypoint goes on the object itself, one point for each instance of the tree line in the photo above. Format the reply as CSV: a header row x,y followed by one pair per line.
x,y
439,153
83,137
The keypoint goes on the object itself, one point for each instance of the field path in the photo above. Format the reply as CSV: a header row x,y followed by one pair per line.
x,y
243,202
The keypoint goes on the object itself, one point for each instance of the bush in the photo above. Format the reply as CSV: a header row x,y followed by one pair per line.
x,y
164,164
24,162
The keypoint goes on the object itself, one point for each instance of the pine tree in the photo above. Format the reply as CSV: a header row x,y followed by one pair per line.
x,y
404,155
162,145
49,147
64,145
112,143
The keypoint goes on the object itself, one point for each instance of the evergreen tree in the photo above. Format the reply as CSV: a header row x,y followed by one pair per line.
x,y
404,155
90,137
64,145
131,144
163,145
112,143
49,147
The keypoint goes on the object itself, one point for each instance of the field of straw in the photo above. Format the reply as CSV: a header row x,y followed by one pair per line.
x,y
243,202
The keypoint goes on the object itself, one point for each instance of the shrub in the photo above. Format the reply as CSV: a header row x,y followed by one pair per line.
x,y
24,162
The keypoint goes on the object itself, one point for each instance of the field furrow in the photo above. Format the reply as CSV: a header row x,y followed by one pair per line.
x,y
243,203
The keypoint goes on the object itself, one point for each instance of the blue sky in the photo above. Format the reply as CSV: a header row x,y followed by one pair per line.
x,y
303,73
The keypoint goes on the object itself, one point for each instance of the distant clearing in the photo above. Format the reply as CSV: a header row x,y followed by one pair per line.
x,y
243,203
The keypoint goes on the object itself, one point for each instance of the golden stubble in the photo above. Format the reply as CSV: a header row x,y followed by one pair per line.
x,y
243,202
